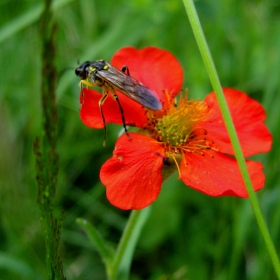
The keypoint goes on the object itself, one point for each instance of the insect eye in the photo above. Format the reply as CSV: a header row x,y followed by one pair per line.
x,y
78,72
81,72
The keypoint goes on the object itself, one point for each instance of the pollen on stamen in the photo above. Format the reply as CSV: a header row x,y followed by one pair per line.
x,y
180,131
177,125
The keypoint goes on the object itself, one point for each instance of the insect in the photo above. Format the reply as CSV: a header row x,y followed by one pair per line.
x,y
102,74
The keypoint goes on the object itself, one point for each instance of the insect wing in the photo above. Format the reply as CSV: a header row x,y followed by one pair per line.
x,y
129,86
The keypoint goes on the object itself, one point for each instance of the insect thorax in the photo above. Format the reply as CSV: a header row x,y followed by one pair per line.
x,y
94,68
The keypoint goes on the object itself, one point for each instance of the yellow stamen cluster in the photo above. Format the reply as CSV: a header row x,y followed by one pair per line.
x,y
179,129
179,122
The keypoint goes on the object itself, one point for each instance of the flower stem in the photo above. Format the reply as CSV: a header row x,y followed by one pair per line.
x,y
131,234
210,67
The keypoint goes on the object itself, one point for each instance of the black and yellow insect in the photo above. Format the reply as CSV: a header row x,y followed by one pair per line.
x,y
102,74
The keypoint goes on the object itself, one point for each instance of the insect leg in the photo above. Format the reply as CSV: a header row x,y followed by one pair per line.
x,y
125,69
86,83
122,113
100,103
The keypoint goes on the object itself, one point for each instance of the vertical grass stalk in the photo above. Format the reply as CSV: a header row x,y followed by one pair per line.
x,y
45,149
210,67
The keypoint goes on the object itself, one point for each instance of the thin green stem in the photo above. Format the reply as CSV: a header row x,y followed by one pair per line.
x,y
125,237
124,253
210,67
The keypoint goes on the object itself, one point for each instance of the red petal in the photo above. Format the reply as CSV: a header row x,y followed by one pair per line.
x,y
156,68
248,117
91,116
219,175
132,177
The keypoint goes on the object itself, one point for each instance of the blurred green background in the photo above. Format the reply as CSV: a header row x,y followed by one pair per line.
x,y
188,235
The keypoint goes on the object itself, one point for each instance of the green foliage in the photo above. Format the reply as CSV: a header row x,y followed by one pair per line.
x,y
188,235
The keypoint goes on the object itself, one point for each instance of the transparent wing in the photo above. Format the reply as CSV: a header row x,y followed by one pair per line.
x,y
129,86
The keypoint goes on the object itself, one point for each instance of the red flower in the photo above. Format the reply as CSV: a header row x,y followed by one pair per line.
x,y
189,134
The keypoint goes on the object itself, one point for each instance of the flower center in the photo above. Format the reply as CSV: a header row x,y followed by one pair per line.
x,y
178,126
180,130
